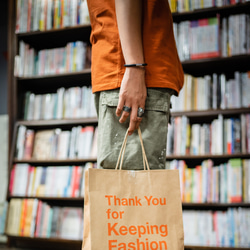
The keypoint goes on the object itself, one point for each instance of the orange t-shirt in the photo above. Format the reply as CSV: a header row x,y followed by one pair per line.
x,y
164,69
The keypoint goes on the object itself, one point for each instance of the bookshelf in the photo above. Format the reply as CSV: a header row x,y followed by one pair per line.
x,y
221,64
199,68
19,85
77,244
42,84
211,11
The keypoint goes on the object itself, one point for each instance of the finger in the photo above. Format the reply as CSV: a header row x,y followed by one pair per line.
x,y
133,121
120,106
139,119
124,116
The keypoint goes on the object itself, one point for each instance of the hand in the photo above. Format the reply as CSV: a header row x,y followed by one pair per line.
x,y
133,93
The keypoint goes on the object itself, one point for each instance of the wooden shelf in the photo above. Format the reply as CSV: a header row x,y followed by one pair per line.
x,y
94,120
50,243
209,156
215,248
54,201
210,205
52,82
46,198
211,12
57,123
45,243
201,67
50,162
54,30
55,37
168,158
58,75
212,113
80,200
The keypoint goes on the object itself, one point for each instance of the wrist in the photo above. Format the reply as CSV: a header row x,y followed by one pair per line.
x,y
135,70
135,65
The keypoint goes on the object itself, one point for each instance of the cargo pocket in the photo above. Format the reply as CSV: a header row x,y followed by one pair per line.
x,y
154,127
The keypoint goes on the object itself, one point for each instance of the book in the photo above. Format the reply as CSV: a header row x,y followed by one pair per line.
x,y
28,145
23,216
40,188
28,218
71,223
49,181
195,142
55,223
14,214
48,14
61,181
71,58
20,179
245,91
37,180
226,182
225,228
237,136
63,145
204,38
213,91
38,218
246,179
20,141
235,178
43,144
33,217
46,221
74,102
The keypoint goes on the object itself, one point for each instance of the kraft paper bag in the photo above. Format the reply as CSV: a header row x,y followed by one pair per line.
x,y
132,210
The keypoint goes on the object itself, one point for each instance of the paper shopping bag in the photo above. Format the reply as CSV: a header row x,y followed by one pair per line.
x,y
86,215
133,210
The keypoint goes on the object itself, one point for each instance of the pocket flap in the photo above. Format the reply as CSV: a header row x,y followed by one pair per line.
x,y
157,100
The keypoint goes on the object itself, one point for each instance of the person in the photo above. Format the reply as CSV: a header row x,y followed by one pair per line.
x,y
135,70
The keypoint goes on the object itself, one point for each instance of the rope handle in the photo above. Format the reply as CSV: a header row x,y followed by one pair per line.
x,y
122,152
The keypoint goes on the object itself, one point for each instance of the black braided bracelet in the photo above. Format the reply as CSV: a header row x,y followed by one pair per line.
x,y
136,65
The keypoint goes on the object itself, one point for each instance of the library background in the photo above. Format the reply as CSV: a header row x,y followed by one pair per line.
x,y
49,130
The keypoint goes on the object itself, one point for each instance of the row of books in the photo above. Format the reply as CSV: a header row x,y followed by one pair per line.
x,y
235,32
77,143
229,228
74,57
227,182
203,38
3,215
221,136
213,92
75,102
190,5
48,181
35,218
38,219
33,15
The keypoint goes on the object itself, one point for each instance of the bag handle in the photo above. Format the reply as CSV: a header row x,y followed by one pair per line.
x,y
122,152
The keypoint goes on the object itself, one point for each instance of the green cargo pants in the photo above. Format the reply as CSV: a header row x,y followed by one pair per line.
x,y
154,127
